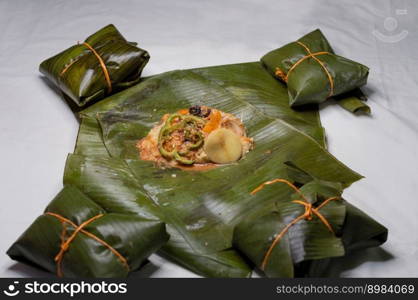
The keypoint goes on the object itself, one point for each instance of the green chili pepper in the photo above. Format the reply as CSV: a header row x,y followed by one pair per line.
x,y
187,123
164,132
182,159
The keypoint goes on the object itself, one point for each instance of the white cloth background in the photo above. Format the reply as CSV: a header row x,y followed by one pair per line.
x,y
37,129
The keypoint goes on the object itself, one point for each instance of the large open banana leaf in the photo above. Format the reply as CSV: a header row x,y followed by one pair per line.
x,y
201,209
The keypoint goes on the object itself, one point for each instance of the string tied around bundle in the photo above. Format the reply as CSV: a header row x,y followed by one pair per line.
x,y
308,215
285,77
65,243
101,62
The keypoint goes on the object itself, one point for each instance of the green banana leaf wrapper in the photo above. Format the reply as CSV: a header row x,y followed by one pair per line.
x,y
308,81
78,73
354,102
201,209
307,242
132,236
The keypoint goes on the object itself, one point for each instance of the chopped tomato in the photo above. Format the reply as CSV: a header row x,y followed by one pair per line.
x,y
214,121
183,111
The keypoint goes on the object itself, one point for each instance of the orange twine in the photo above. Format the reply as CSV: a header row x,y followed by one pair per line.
x,y
279,73
307,215
102,64
65,243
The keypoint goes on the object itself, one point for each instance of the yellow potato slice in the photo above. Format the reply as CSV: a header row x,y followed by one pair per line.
x,y
223,146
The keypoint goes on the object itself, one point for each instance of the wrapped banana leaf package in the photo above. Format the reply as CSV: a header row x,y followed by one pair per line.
x,y
312,225
75,237
240,179
313,72
103,64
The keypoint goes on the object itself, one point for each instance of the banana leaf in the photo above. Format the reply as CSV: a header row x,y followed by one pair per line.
x,y
79,73
251,83
354,102
201,209
313,73
110,246
307,241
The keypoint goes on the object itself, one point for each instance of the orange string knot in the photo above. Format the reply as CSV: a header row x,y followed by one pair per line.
x,y
101,62
65,243
308,214
279,73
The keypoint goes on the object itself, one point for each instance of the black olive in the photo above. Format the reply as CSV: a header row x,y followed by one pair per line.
x,y
195,110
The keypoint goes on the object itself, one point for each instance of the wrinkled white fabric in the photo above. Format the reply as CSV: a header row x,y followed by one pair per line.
x,y
37,129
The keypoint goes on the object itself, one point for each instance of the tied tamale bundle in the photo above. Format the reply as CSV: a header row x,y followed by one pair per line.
x,y
105,63
314,73
75,237
311,226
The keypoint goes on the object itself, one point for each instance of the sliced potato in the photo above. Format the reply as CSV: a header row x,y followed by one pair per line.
x,y
223,146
